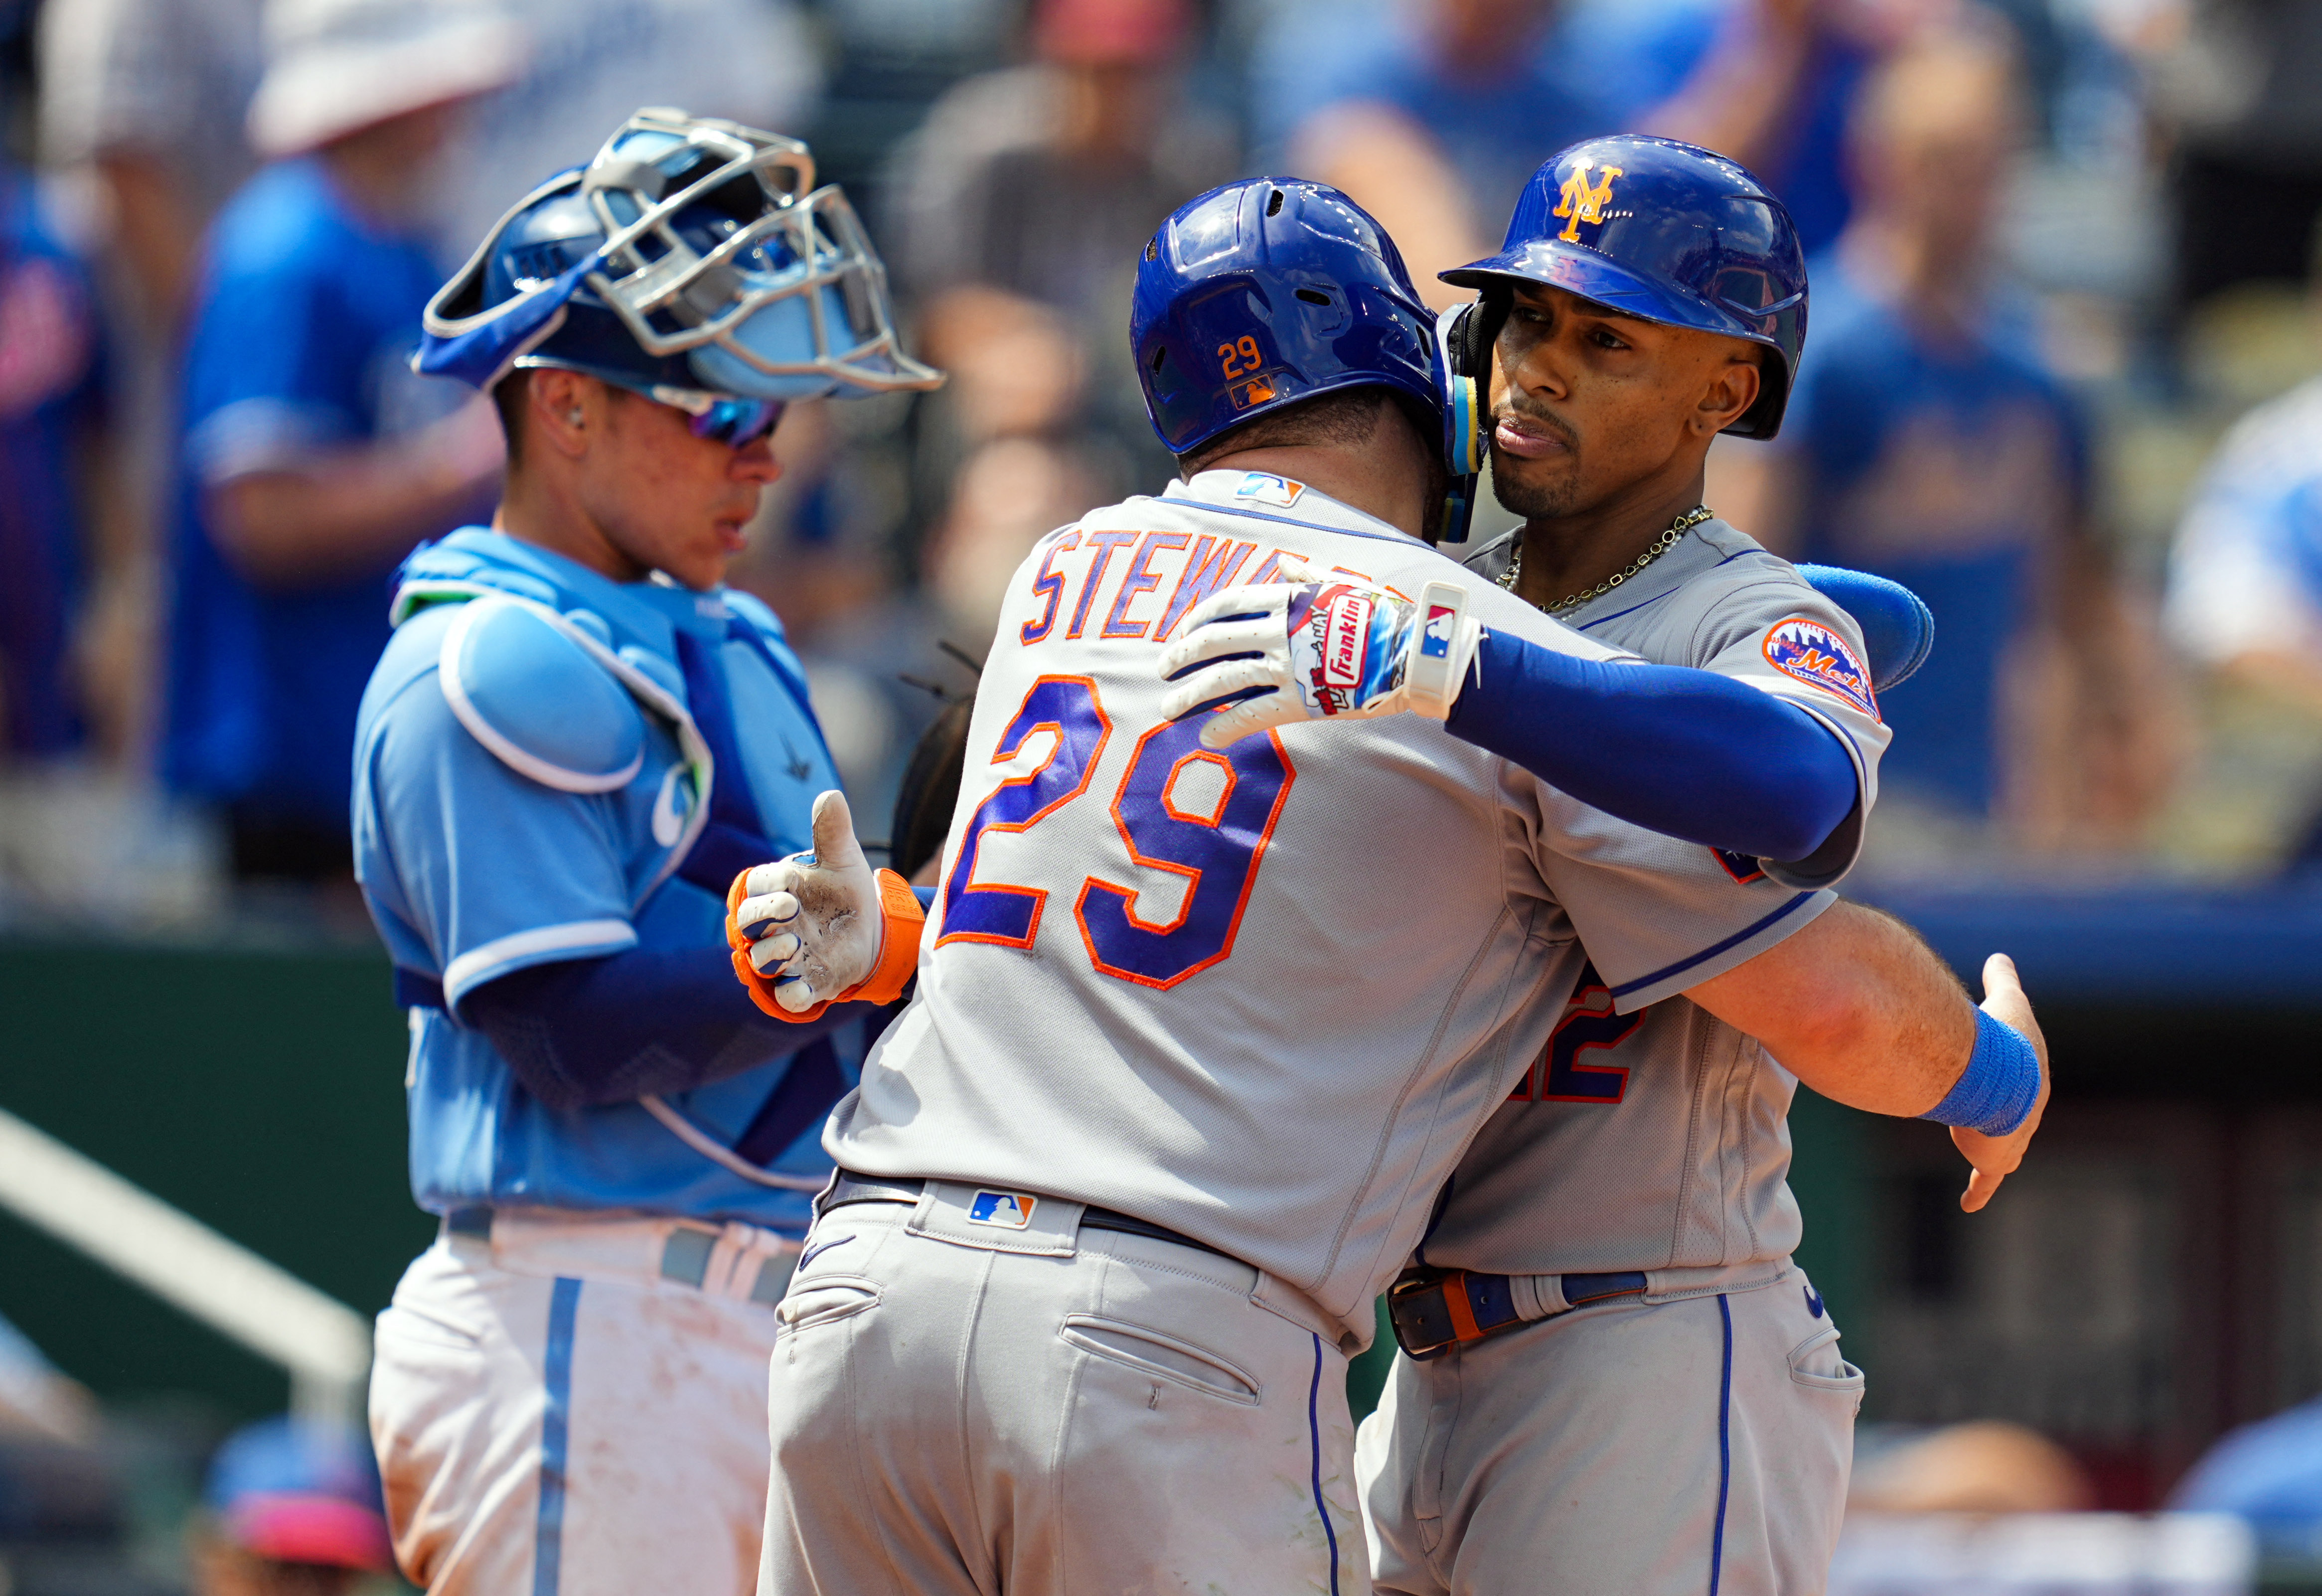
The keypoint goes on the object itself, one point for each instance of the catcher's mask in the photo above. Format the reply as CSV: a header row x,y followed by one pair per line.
x,y
692,253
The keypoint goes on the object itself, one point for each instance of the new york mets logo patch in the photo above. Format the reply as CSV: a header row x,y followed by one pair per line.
x,y
1003,1210
1810,651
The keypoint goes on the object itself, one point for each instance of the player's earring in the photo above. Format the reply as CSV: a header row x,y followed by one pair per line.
x,y
573,417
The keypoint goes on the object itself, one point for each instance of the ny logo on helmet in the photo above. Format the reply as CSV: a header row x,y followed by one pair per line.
x,y
1582,202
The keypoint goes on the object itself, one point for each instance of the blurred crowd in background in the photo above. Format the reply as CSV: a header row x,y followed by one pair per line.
x,y
2060,378
2058,375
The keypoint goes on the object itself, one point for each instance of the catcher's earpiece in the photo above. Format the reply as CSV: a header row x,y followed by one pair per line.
x,y
1464,335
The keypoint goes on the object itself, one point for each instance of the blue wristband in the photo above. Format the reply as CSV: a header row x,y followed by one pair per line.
x,y
2000,1085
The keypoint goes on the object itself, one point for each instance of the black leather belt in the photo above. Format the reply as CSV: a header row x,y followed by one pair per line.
x,y
1437,1311
847,1189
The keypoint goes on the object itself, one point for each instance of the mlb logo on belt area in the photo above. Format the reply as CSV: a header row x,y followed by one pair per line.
x,y
1813,653
1003,1210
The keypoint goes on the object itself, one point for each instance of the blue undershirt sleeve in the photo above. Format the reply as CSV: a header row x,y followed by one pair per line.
x,y
582,1032
1689,754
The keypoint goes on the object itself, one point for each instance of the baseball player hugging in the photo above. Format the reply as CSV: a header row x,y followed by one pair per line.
x,y
1614,1379
574,738
1287,852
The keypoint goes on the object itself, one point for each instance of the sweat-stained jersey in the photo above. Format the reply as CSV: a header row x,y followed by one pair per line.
x,y
1659,1139
1262,997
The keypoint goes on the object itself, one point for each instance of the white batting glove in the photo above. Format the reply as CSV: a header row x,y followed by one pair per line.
x,y
823,927
1287,652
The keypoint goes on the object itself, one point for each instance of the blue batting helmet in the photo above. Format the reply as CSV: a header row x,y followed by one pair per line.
x,y
1669,233
1261,294
691,254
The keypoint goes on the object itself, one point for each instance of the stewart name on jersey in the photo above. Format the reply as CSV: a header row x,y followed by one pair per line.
x,y
1659,1139
1264,997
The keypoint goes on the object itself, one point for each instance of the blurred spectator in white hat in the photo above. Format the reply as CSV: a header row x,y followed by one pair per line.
x,y
141,117
151,95
312,459
593,62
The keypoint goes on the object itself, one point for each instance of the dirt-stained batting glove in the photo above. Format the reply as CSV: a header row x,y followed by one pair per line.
x,y
1288,652
823,927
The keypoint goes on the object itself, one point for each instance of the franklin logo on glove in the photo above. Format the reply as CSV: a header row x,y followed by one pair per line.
x,y
1344,620
1267,655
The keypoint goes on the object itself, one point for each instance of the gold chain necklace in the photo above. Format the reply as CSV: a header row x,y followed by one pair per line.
x,y
1661,545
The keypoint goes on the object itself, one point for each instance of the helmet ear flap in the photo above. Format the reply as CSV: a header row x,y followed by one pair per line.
x,y
1464,336
1467,364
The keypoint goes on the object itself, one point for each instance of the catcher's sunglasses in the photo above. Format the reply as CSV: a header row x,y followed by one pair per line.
x,y
721,418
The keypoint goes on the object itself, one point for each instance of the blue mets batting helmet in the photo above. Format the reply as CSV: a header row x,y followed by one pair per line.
x,y
1261,294
1667,232
691,254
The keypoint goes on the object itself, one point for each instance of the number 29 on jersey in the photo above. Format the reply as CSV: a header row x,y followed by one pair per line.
x,y
1211,830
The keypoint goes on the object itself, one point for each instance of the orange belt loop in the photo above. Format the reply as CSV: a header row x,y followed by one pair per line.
x,y
1462,1311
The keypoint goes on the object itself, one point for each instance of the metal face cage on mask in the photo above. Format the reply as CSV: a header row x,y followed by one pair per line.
x,y
690,251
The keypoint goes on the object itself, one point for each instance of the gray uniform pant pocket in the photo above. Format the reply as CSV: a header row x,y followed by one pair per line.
x,y
949,1419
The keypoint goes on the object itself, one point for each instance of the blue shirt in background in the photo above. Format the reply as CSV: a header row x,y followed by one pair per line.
x,y
1596,67
52,398
1954,470
2270,1474
305,316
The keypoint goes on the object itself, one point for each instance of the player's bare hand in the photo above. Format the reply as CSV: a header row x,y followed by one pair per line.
x,y
1255,658
1994,1158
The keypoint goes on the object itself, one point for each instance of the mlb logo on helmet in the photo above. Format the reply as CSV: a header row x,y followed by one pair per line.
x,y
1002,1210
1811,652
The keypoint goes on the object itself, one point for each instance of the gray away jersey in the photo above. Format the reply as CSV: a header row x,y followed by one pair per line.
x,y
1659,1139
1264,997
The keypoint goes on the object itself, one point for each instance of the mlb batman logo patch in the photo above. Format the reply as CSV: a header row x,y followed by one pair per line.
x,y
1266,488
1003,1210
1805,648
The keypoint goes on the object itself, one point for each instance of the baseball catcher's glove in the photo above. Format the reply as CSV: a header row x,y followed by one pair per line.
x,y
930,790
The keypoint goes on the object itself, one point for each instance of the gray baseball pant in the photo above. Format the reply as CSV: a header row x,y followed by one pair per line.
x,y
1692,1442
1057,1410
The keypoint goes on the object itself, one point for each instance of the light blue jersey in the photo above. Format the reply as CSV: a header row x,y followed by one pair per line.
x,y
545,770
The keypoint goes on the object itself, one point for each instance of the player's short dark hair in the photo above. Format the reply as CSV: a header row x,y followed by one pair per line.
x,y
1347,417
511,397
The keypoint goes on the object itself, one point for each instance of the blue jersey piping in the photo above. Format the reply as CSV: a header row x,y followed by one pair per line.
x,y
1711,951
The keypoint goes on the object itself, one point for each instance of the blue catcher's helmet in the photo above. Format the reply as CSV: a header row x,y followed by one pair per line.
x,y
1669,233
691,254
1260,294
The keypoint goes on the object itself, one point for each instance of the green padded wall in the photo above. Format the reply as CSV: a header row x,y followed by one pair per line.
x,y
261,1092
